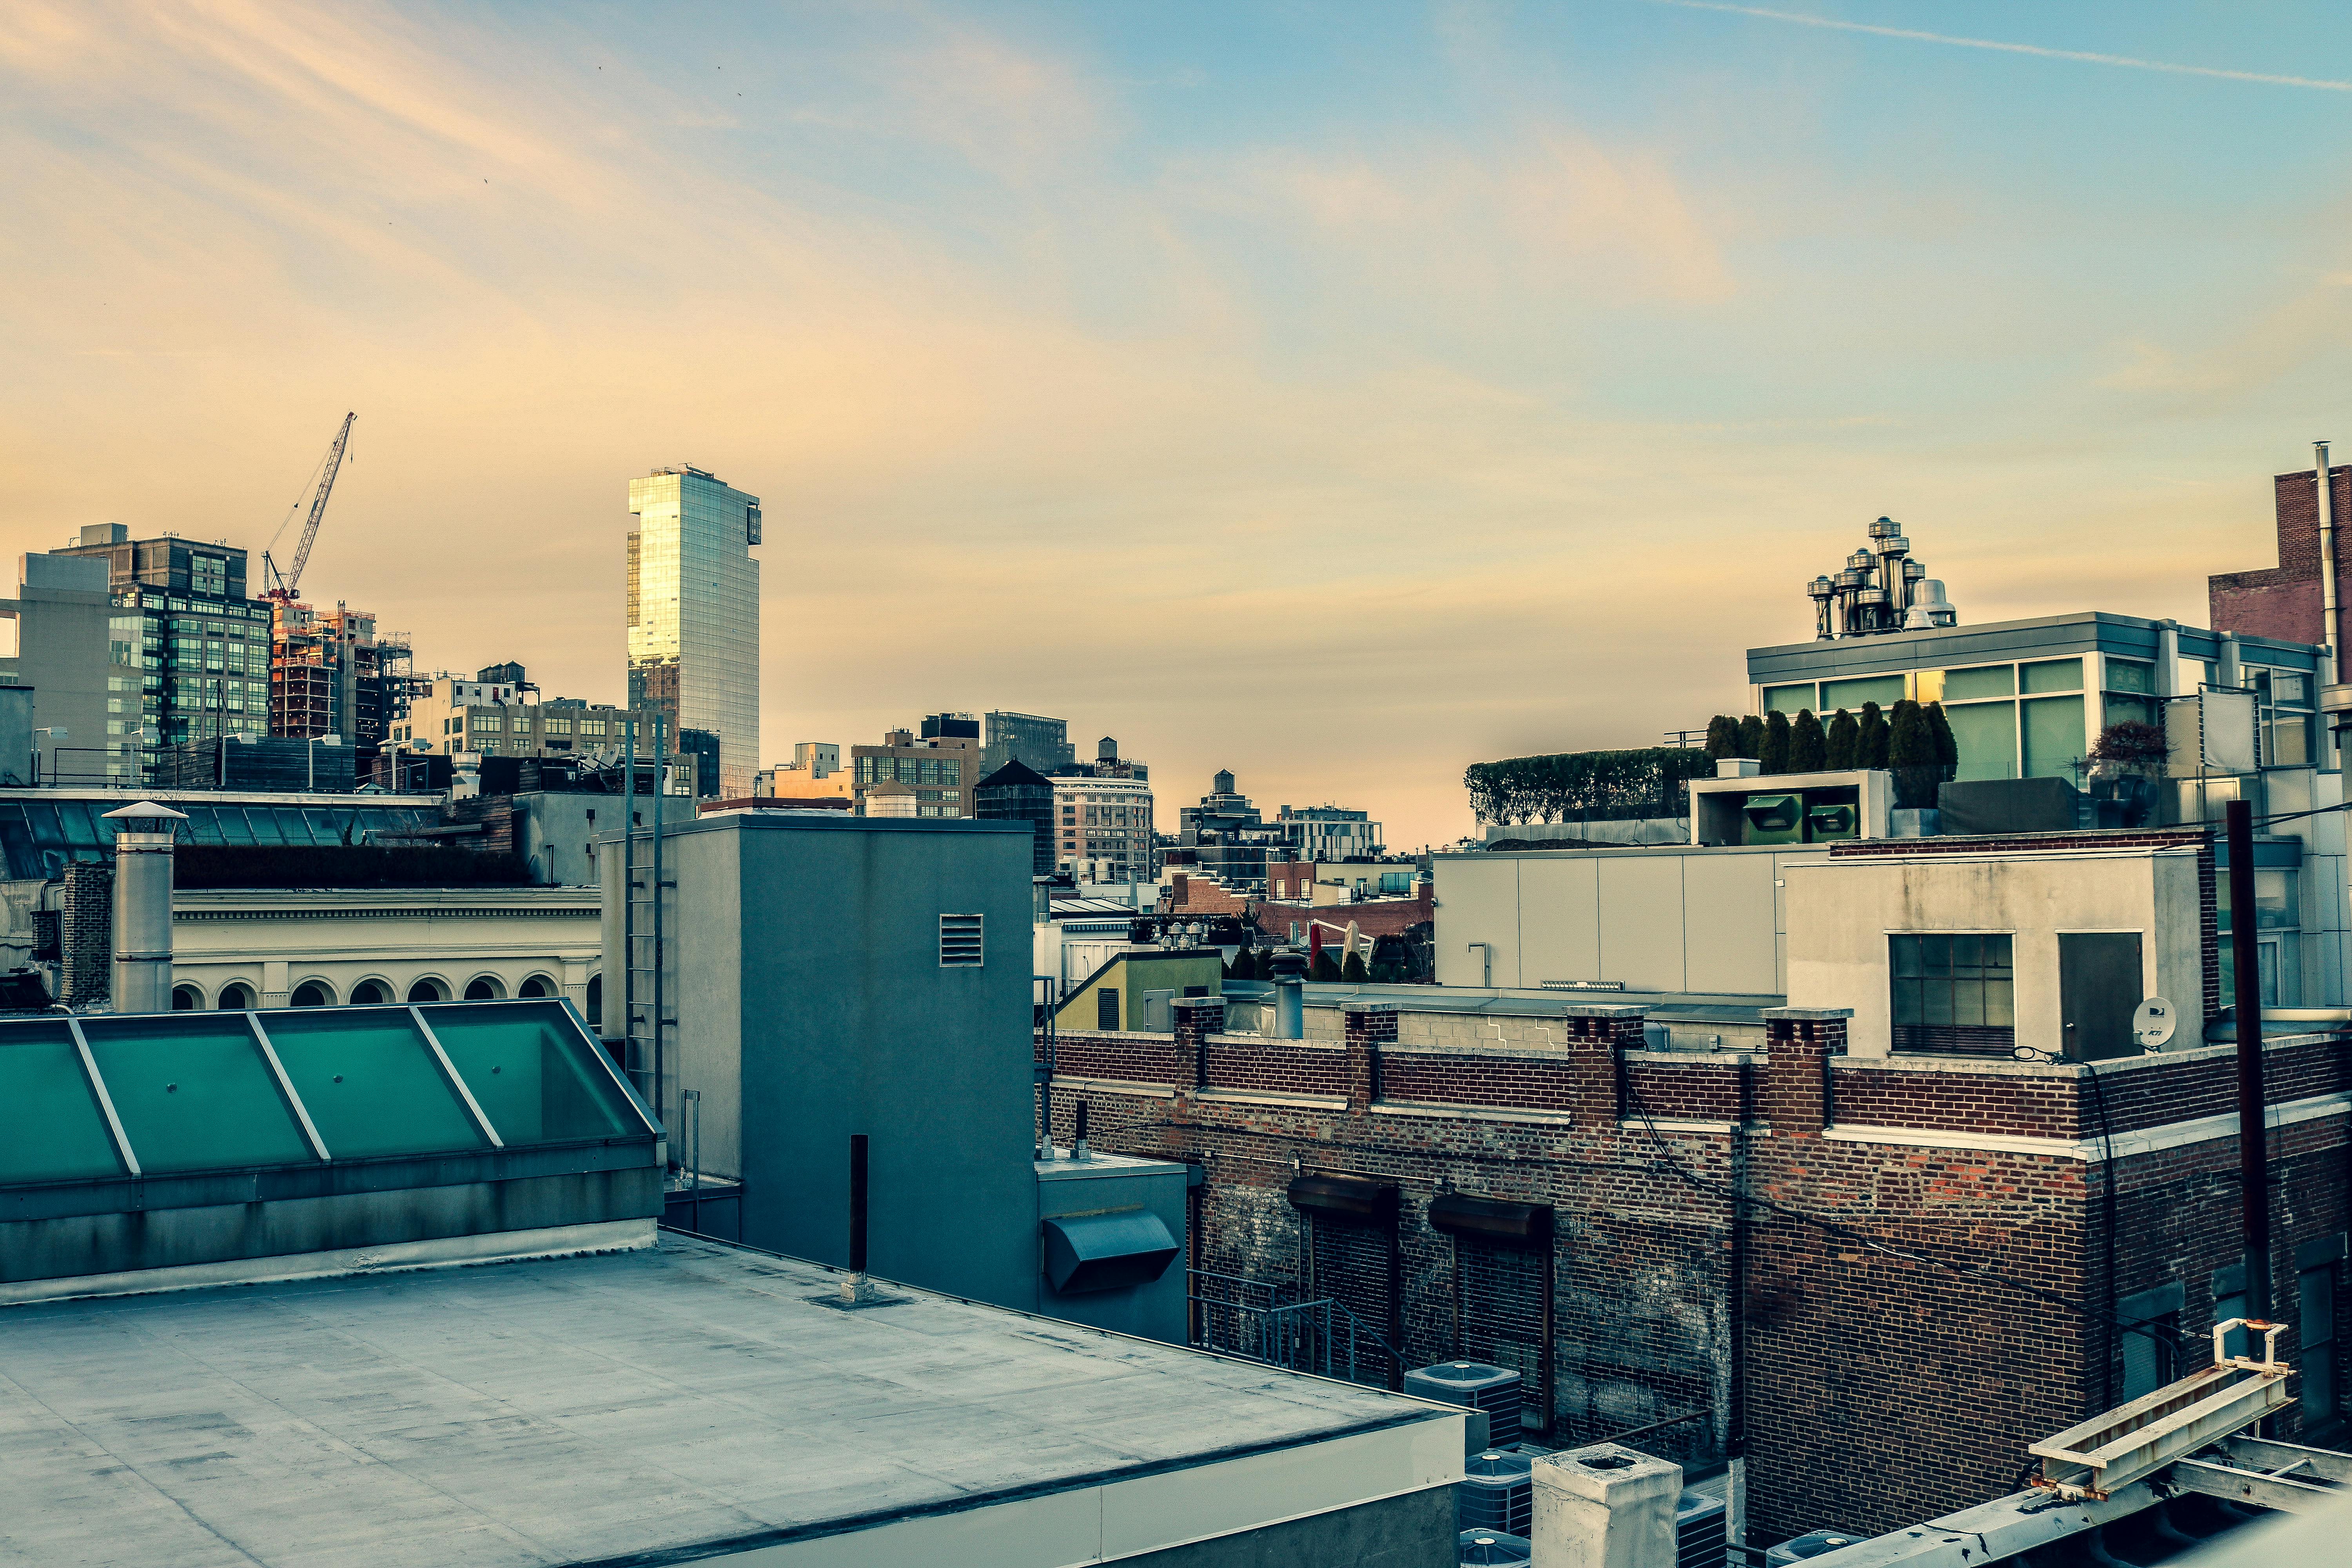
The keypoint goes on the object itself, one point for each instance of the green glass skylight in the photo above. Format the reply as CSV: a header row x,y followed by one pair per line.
x,y
213,1091
57,1127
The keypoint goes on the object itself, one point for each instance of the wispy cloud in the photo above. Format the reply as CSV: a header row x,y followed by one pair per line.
x,y
2084,57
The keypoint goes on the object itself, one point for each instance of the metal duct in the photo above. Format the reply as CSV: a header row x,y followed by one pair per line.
x,y
1881,588
142,906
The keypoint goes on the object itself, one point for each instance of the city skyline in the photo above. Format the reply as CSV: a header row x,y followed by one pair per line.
x,y
1341,410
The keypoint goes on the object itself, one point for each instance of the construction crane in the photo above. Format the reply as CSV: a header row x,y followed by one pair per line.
x,y
282,587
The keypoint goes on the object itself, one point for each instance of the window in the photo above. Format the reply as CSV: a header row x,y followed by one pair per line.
x,y
2314,1279
1106,1007
2051,675
1885,690
1953,993
959,941
1789,700
236,997
2230,1301
488,724
559,726
592,726
2148,1325
1986,681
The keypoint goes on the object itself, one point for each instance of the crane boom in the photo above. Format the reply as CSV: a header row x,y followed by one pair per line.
x,y
293,579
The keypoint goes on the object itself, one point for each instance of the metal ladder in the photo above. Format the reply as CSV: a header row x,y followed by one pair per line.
x,y
648,1013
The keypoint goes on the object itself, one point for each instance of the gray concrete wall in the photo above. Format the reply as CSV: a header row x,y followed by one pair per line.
x,y
61,608
808,948
122,1240
1842,911
1682,919
1415,1530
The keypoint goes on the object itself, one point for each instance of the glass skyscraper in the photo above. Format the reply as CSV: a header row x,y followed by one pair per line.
x,y
694,613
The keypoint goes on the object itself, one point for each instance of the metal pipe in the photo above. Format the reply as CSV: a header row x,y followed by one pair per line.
x,y
857,1202
141,982
628,888
2329,629
661,787
2254,1163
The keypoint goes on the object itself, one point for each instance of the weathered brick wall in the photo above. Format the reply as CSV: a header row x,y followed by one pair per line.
x,y
1877,1390
86,932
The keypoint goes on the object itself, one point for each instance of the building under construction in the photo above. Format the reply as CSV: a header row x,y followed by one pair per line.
x,y
331,673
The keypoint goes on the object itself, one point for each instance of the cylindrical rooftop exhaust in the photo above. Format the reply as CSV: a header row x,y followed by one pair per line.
x,y
1289,995
142,906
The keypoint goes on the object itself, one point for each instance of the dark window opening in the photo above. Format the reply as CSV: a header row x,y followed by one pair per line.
x,y
1106,1009
1954,992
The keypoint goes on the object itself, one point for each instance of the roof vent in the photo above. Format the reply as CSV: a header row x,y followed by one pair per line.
x,y
1496,1495
1479,1386
959,941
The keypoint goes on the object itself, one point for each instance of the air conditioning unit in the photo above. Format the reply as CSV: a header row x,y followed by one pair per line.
x,y
1481,1386
1809,1545
1492,1549
1497,1494
1701,1533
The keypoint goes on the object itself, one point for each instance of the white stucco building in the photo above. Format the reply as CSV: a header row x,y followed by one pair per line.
x,y
239,948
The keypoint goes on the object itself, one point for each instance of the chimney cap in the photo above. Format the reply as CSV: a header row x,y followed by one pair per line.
x,y
147,808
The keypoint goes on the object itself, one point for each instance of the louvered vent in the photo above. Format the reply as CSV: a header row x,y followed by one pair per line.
x,y
959,943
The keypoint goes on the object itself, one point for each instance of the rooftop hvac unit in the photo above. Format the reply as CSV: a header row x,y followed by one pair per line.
x,y
1492,1549
1493,1389
1497,1494
1772,819
1701,1534
1812,1544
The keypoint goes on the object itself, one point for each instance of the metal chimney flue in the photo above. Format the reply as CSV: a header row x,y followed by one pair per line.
x,y
857,1288
1881,588
142,906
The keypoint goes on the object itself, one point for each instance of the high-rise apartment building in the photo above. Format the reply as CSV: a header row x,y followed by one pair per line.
x,y
694,613
189,652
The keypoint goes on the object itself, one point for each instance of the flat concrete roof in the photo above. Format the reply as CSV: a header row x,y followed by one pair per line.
x,y
688,1399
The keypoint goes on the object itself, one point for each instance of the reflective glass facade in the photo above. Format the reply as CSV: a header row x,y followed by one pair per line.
x,y
694,613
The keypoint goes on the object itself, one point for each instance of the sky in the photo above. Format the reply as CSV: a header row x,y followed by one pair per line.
x,y
1337,394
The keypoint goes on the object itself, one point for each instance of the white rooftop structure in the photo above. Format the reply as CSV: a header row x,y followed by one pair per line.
x,y
690,1402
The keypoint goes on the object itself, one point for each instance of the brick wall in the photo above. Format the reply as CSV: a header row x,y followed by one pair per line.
x,y
86,932
2283,601
1872,1390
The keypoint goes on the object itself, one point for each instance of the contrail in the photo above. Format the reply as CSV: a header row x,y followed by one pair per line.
x,y
2084,56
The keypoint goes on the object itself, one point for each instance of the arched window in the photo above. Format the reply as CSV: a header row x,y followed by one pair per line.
x,y
237,997
483,988
596,999
311,994
537,985
186,999
371,994
427,990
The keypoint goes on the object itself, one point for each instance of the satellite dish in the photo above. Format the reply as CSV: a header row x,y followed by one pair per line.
x,y
2153,1022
